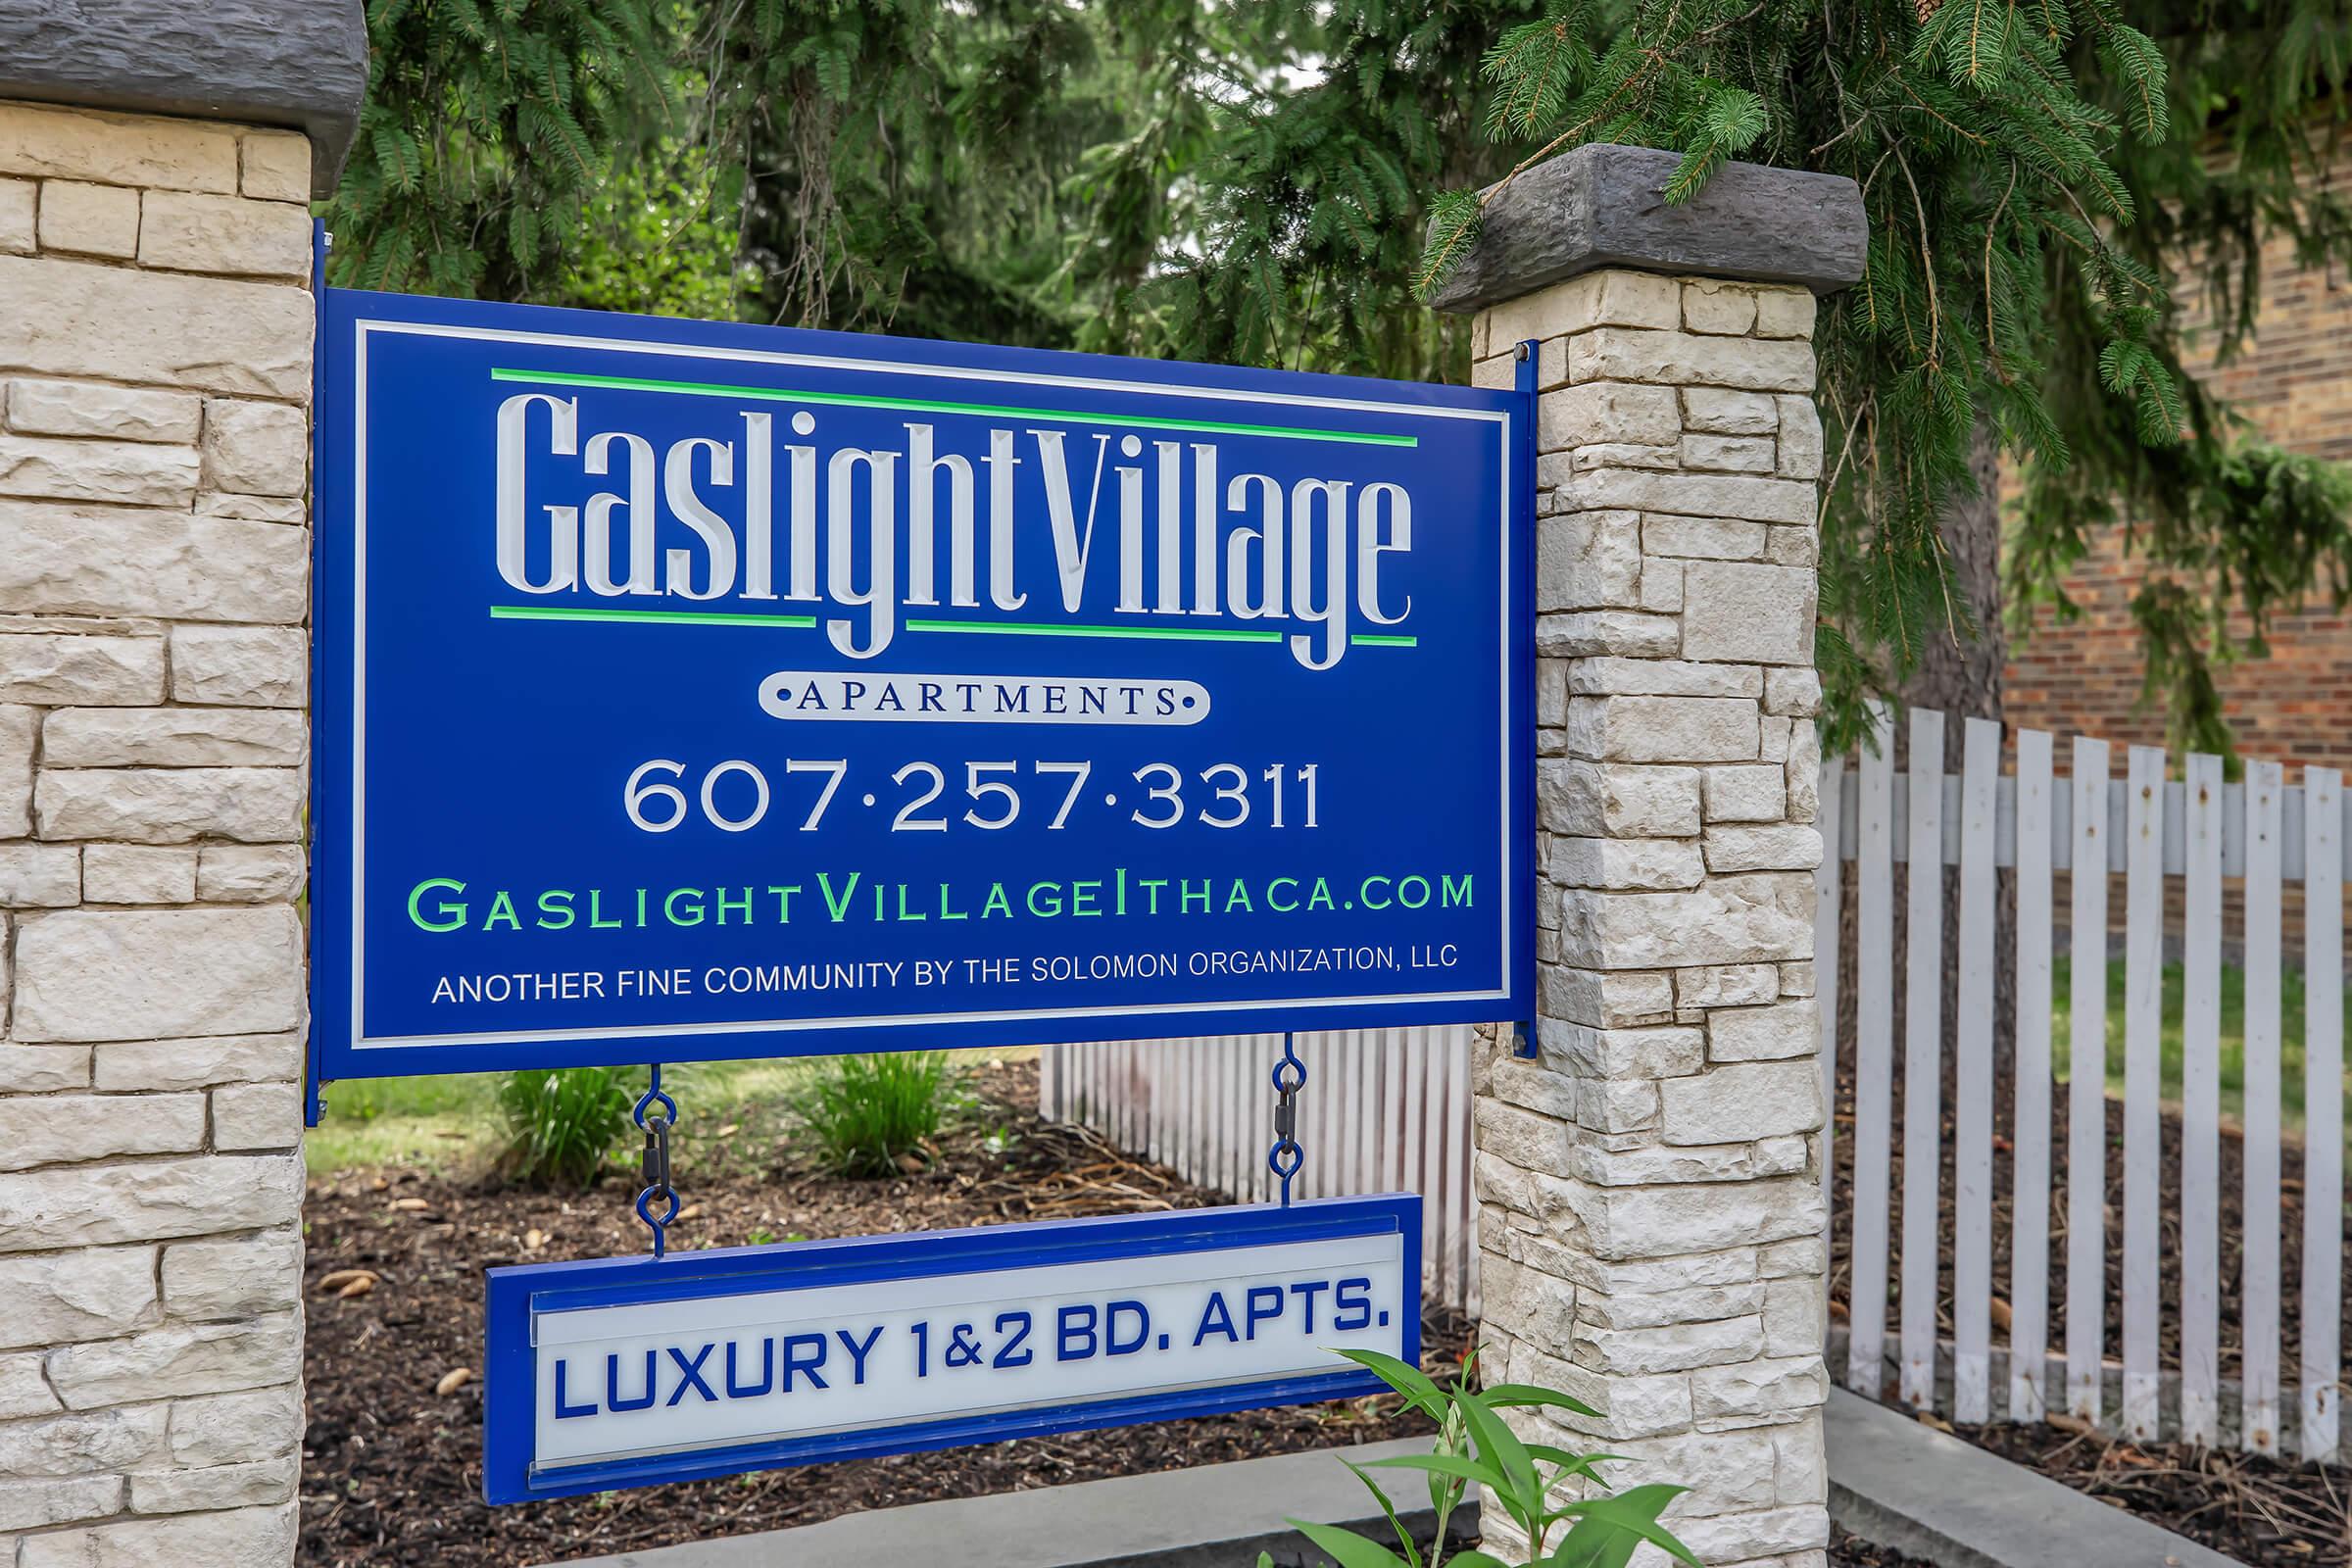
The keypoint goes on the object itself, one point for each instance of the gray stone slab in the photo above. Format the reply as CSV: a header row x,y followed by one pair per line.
x,y
1599,206
296,63
1925,1492
1219,1514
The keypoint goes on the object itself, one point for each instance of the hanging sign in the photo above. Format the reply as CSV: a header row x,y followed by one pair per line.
x,y
625,1371
688,690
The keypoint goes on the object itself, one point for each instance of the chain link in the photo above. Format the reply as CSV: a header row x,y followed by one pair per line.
x,y
1286,1157
657,1114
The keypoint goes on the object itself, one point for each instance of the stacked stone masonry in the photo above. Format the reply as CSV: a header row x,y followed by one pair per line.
x,y
155,370
1651,1209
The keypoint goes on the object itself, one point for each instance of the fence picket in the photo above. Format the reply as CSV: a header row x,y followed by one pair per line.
x,y
1429,1089
2201,1108
1972,1110
1203,1138
1330,1115
1140,1111
1246,1100
1874,1059
1135,1097
1457,1186
1169,1069
2144,1082
2030,1159
2258,1312
2086,1100
2322,1108
1923,1064
1829,888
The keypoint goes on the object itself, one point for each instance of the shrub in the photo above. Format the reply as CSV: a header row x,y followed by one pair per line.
x,y
1474,1445
867,1112
562,1123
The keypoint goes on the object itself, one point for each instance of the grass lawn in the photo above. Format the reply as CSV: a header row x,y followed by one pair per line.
x,y
451,1121
2234,1041
451,1124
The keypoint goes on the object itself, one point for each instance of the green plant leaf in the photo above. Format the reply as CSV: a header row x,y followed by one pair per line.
x,y
1405,1536
1503,1395
1578,1464
1348,1548
1410,1380
1479,1470
1500,1444
1625,1520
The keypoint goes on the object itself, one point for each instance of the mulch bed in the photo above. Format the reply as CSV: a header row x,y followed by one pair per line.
x,y
2252,1509
392,1468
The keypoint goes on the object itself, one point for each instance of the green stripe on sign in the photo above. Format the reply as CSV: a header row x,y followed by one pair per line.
x,y
1193,634
993,628
713,389
682,617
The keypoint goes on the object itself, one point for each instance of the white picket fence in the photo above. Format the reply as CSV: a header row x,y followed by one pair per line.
x,y
2094,826
1389,1110
1383,1111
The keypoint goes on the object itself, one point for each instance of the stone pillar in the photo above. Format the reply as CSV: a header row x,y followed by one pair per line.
x,y
155,383
1650,1209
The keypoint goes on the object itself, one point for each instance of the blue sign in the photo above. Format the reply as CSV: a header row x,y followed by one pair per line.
x,y
691,691
624,1371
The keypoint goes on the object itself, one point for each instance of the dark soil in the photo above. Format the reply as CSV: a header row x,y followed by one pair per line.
x,y
392,1469
2249,1508
2232,1227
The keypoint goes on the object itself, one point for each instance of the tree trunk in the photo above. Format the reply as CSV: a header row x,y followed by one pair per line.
x,y
1962,675
1966,677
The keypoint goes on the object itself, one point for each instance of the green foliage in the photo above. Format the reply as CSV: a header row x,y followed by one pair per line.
x,y
1475,1447
658,237
2039,178
1314,200
486,125
562,1123
2060,203
1001,173
868,1112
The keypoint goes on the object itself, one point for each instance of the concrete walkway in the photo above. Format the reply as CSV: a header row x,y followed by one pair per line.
x,y
1892,1481
1220,1514
1908,1487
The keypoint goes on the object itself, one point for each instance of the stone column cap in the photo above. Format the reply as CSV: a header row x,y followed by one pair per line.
x,y
1599,206
296,63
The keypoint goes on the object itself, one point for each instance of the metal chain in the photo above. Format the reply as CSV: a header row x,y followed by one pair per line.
x,y
1286,1156
657,1114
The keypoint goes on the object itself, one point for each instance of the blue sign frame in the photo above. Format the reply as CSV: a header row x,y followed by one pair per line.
x,y
512,1395
444,700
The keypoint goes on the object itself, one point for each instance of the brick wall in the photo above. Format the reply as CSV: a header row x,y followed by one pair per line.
x,y
2294,383
154,368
